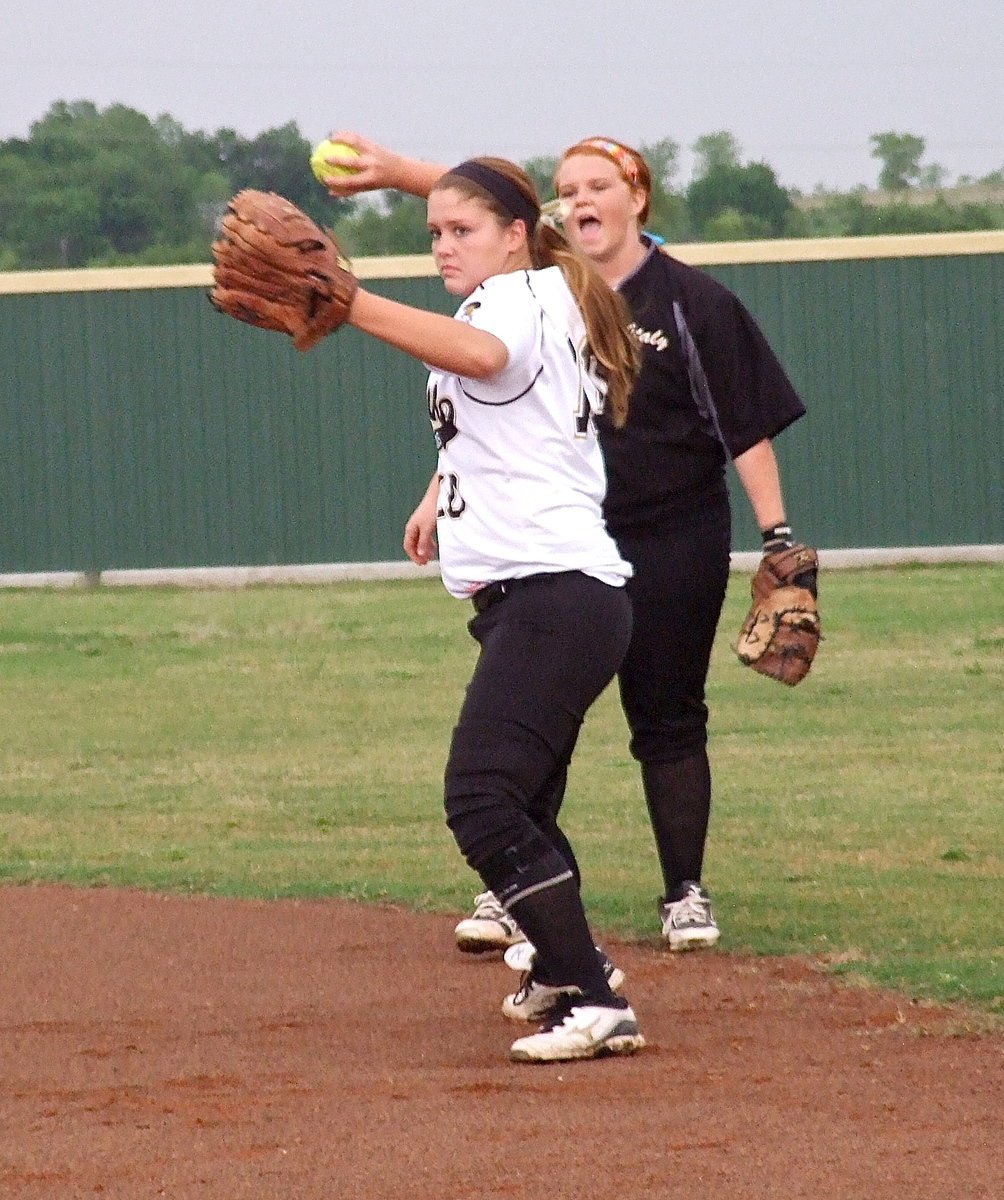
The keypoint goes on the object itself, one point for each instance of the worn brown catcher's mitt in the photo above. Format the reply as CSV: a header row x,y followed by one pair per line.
x,y
277,269
781,632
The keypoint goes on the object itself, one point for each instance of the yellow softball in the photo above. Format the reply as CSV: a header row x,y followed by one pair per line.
x,y
324,150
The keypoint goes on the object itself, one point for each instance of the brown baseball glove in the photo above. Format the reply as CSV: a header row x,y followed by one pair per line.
x,y
277,269
781,632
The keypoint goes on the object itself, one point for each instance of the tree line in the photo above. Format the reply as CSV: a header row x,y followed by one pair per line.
x,y
113,187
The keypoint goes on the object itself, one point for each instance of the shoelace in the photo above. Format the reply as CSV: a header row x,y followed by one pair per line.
x,y
487,908
527,983
691,910
525,986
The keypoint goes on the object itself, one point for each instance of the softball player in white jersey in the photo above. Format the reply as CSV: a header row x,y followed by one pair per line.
x,y
520,467
540,344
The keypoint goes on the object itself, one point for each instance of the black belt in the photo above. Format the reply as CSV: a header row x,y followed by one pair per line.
x,y
492,593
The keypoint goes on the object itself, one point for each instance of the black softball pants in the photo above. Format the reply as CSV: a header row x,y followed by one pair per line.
x,y
549,646
681,571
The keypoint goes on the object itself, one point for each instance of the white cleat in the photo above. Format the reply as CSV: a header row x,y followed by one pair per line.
x,y
581,1031
535,1001
488,928
689,923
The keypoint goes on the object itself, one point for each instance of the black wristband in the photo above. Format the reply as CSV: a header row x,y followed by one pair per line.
x,y
777,536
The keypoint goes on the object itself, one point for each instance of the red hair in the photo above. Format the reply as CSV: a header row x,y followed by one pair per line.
x,y
632,167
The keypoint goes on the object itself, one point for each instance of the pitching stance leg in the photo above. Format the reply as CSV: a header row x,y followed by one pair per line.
x,y
548,648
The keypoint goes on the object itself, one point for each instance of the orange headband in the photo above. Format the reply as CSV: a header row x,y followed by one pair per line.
x,y
624,159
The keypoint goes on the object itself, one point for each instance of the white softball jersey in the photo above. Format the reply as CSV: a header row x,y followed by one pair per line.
x,y
522,479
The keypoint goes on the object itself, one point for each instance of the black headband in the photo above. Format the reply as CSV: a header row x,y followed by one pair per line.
x,y
502,189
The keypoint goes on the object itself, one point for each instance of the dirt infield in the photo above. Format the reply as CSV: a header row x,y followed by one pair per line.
x,y
189,1047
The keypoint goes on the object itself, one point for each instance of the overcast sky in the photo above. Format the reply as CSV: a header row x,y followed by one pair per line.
x,y
801,84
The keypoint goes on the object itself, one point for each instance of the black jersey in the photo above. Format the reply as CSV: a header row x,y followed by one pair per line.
x,y
669,458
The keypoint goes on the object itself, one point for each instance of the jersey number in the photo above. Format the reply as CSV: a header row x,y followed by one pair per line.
x,y
443,418
590,397
453,504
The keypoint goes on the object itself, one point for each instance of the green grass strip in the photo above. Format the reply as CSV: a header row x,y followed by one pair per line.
x,y
290,741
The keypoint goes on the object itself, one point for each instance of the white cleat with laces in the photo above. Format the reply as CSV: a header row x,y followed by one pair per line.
x,y
489,927
535,1001
688,922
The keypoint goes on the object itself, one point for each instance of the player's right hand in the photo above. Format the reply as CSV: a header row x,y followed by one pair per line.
x,y
373,169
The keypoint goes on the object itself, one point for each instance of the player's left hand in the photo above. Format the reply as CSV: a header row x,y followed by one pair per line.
x,y
420,531
275,268
781,633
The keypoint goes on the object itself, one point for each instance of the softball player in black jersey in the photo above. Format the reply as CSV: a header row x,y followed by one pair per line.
x,y
538,347
710,390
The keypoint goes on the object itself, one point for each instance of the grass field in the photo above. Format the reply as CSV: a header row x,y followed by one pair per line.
x,y
289,741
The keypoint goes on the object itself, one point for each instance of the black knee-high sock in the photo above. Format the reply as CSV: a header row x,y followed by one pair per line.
x,y
678,796
553,919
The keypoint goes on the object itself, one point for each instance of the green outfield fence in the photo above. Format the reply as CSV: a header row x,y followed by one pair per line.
x,y
145,433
